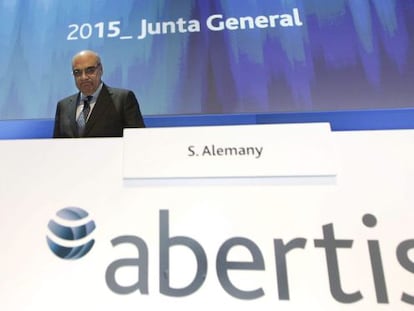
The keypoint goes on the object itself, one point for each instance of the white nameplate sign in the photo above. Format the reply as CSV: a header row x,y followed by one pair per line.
x,y
271,150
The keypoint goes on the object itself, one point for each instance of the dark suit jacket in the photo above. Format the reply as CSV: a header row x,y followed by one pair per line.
x,y
114,110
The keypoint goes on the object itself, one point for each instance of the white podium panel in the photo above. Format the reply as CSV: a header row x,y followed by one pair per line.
x,y
75,237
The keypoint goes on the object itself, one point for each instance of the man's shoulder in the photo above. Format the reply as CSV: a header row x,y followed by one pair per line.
x,y
69,99
117,90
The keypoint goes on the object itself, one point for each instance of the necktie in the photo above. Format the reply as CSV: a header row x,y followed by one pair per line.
x,y
84,115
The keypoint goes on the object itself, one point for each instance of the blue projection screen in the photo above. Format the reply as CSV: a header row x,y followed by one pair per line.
x,y
187,57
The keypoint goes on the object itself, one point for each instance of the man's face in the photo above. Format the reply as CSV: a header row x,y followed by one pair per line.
x,y
87,72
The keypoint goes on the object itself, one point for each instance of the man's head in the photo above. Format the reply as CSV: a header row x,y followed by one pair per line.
x,y
87,71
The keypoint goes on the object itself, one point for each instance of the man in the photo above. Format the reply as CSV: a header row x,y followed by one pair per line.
x,y
97,110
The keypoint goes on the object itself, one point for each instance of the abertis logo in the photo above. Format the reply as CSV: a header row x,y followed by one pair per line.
x,y
70,233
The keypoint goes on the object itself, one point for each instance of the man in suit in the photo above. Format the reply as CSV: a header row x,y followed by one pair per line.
x,y
97,110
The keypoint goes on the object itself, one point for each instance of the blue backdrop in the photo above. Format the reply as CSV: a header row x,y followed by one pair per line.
x,y
346,55
210,58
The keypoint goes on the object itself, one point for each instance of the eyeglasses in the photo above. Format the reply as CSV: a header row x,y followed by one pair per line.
x,y
89,71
